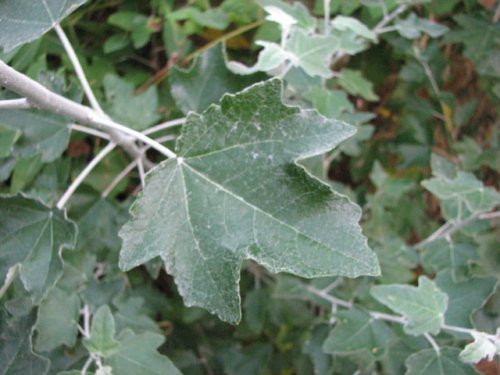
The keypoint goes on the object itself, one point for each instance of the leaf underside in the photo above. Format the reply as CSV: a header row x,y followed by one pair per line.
x,y
234,193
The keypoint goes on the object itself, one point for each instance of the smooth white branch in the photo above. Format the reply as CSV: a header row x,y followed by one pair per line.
x,y
70,51
15,104
41,97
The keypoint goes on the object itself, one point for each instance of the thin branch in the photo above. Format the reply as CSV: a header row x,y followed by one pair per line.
x,y
388,18
165,138
83,174
140,168
87,365
329,298
131,166
326,20
387,29
164,125
44,98
118,178
137,135
15,104
387,317
490,215
450,227
87,130
428,73
434,236
78,68
332,285
433,343
467,331
86,321
163,72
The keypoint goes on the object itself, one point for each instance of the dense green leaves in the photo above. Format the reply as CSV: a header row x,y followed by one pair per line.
x,y
39,132
430,362
423,307
102,334
219,220
136,111
57,320
22,21
356,331
16,354
33,236
137,355
249,193
464,191
464,297
206,81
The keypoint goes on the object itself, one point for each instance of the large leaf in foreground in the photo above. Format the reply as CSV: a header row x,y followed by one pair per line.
x,y
22,21
235,193
33,236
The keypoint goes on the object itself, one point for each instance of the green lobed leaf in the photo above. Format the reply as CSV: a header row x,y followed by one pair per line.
x,y
429,362
412,27
478,34
8,137
206,81
22,21
24,172
57,320
33,236
330,103
137,355
131,315
98,225
343,23
102,333
399,349
42,132
312,52
423,307
313,347
213,18
137,111
249,360
16,353
355,84
464,188
464,297
255,307
227,198
272,57
356,331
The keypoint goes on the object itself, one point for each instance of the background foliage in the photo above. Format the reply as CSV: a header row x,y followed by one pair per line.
x,y
420,82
